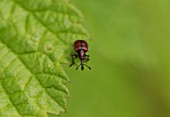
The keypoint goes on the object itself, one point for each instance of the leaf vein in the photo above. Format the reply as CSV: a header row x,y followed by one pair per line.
x,y
11,100
31,73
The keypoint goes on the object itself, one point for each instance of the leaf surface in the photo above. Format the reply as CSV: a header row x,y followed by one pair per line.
x,y
35,36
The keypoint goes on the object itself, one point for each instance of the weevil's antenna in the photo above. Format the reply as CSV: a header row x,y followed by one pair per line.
x,y
82,66
87,66
78,67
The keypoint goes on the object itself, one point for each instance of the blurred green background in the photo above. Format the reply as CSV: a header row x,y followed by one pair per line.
x,y
130,60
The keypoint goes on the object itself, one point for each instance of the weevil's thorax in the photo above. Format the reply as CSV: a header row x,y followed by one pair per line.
x,y
81,54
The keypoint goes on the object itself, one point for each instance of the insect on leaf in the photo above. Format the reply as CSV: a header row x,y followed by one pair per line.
x,y
35,36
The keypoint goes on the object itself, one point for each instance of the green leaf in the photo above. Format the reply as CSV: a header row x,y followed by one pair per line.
x,y
35,38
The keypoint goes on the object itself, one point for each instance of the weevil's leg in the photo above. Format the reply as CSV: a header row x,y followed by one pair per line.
x,y
73,57
86,58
